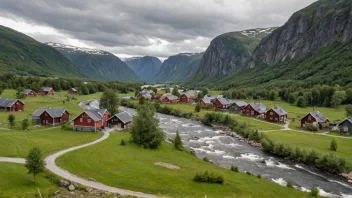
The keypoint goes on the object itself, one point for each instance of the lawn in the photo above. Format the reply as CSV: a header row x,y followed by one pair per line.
x,y
317,142
15,182
132,167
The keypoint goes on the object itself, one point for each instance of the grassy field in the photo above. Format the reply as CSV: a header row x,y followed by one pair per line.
x,y
132,167
15,182
314,141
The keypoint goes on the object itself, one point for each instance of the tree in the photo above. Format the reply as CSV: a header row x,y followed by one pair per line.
x,y
141,100
175,92
273,95
84,90
109,101
19,92
197,108
145,130
333,145
136,93
167,90
301,102
11,118
205,91
35,162
178,142
348,110
25,124
292,98
155,90
348,95
337,98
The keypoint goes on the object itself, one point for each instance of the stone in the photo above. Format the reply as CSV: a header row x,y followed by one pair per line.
x,y
71,187
75,185
91,179
88,189
63,183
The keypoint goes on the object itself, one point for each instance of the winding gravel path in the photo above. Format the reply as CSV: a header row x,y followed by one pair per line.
x,y
12,160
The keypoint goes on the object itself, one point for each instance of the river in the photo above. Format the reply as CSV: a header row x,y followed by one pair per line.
x,y
226,151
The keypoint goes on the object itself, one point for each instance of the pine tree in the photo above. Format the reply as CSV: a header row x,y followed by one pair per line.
x,y
333,145
197,108
11,118
178,142
34,162
25,124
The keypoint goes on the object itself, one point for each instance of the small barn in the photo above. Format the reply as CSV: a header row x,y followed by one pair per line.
x,y
255,109
50,116
276,114
91,120
345,126
72,91
28,93
208,100
316,119
188,97
8,104
145,94
168,98
238,106
222,103
121,120
46,91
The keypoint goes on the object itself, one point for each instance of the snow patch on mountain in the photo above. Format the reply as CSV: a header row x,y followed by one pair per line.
x,y
73,49
258,32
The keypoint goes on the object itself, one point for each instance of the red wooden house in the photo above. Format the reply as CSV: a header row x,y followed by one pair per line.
x,y
46,91
188,97
316,119
168,98
29,93
50,116
222,103
156,96
276,114
91,120
145,94
72,91
255,109
11,104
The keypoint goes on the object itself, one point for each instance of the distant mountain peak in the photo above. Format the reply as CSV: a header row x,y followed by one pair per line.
x,y
73,49
258,33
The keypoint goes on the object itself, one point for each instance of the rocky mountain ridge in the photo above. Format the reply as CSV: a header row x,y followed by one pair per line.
x,y
145,67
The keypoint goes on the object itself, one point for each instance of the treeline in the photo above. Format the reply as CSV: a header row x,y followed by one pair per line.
x,y
321,96
12,81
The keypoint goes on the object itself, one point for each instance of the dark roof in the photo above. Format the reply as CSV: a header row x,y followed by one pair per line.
x,y
123,116
240,103
347,119
8,102
146,94
318,116
170,96
280,111
96,114
47,88
26,91
259,107
225,101
53,112
208,98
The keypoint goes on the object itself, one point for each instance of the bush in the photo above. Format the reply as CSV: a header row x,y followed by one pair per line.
x,y
289,184
66,125
122,143
312,128
333,145
248,173
209,178
234,168
314,192
178,142
206,159
259,176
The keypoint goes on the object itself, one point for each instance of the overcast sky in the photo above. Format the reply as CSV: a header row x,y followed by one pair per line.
x,y
142,27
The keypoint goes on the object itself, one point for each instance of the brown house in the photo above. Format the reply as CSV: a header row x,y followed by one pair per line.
x,y
255,109
28,93
46,91
188,97
50,116
316,119
276,114
222,103
156,96
72,91
7,104
91,120
168,98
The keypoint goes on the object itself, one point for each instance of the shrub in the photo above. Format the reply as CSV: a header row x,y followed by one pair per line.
x,y
289,184
209,178
259,176
197,108
66,125
206,159
234,168
248,173
314,192
333,144
122,143
312,128
178,142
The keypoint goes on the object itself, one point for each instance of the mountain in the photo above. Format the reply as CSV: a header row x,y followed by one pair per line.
x,y
307,31
145,67
179,67
97,64
314,47
23,55
230,51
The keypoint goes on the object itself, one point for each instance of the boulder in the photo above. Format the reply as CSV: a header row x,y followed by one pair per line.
x,y
71,187
75,185
63,183
88,189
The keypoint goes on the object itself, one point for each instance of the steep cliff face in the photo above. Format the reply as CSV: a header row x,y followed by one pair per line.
x,y
178,68
308,30
230,51
145,67
97,64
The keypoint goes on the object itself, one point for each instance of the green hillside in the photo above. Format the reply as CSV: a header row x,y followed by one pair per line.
x,y
25,56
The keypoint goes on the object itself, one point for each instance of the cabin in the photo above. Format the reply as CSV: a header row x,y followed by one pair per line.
x,y
8,104
316,119
46,91
50,116
222,103
145,94
238,106
257,109
91,120
345,126
156,96
28,93
276,114
121,120
208,100
72,91
168,98
188,97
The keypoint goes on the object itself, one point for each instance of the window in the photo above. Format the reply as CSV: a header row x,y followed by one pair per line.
x,y
81,120
252,112
271,113
309,118
89,120
345,129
